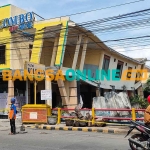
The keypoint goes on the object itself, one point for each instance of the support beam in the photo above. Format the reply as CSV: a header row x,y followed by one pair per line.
x,y
140,92
27,98
61,44
35,91
36,51
10,92
83,53
76,52
98,92
73,97
64,48
54,51
63,92
101,60
48,86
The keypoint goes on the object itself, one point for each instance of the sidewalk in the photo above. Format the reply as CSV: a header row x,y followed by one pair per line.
x,y
107,129
5,124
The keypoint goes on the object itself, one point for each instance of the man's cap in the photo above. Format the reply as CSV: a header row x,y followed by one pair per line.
x,y
13,99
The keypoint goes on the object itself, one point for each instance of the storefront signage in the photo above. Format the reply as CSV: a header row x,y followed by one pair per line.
x,y
23,21
32,66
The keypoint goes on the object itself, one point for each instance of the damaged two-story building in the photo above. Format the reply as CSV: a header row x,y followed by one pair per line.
x,y
59,44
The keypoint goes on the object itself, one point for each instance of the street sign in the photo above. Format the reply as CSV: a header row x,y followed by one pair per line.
x,y
46,94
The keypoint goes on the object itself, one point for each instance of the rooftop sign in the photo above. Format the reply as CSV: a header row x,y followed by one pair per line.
x,y
20,20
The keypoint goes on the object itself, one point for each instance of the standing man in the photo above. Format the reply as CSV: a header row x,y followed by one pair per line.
x,y
12,116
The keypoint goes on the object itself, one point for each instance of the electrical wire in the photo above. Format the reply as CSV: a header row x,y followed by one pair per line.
x,y
58,45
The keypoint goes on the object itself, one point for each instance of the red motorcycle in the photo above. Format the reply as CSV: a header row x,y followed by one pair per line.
x,y
139,141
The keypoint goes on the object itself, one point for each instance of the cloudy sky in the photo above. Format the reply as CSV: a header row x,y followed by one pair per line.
x,y
56,8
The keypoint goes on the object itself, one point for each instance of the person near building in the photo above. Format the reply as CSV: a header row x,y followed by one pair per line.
x,y
12,116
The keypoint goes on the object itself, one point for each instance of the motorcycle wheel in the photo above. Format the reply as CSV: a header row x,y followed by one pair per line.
x,y
137,137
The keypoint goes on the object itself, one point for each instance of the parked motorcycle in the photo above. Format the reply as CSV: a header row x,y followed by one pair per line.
x,y
139,141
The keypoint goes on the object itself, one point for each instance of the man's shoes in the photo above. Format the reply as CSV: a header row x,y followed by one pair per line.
x,y
10,134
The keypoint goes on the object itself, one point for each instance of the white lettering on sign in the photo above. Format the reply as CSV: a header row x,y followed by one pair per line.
x,y
46,94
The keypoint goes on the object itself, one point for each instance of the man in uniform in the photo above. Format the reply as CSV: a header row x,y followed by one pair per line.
x,y
12,116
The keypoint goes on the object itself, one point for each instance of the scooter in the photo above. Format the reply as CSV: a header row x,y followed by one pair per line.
x,y
139,141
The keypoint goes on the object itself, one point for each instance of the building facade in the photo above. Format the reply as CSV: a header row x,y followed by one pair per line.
x,y
59,44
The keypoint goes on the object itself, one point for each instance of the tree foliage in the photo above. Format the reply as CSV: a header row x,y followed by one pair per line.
x,y
139,100
147,86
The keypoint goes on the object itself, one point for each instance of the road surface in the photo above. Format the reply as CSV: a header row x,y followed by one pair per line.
x,y
62,140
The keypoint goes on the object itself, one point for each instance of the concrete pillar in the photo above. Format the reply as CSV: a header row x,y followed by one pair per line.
x,y
140,92
63,92
83,53
64,45
54,51
98,92
48,86
73,97
76,52
10,92
29,99
101,60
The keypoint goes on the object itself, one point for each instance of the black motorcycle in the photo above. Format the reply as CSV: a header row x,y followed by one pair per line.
x,y
139,141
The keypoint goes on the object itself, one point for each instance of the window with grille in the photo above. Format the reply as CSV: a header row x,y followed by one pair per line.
x,y
2,54
119,67
106,63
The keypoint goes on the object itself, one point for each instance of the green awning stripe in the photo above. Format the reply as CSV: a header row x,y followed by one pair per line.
x,y
4,69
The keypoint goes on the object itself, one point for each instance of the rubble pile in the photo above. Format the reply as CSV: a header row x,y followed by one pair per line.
x,y
78,120
112,100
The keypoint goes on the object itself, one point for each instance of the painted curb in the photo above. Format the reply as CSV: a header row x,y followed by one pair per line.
x,y
84,129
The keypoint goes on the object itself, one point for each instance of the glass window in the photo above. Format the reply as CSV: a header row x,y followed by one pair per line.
x,y
119,67
2,54
106,63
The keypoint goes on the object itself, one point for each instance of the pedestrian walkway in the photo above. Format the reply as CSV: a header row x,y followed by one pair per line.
x,y
5,124
107,129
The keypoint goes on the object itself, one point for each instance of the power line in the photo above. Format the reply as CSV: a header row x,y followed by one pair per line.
x,y
57,30
121,16
104,8
59,45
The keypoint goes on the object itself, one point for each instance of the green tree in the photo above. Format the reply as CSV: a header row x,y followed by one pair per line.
x,y
139,100
147,86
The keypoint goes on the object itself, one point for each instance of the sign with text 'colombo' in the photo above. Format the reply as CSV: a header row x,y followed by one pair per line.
x,y
21,22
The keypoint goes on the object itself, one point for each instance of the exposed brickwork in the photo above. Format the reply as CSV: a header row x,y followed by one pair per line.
x,y
41,115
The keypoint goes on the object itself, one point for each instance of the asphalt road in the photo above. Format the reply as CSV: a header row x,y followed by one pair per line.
x,y
62,140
